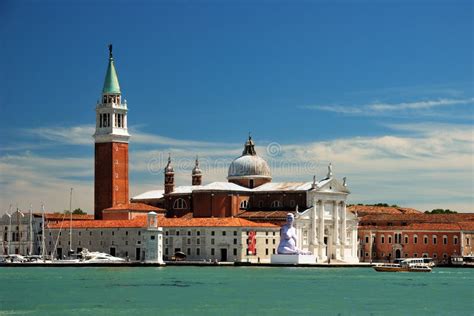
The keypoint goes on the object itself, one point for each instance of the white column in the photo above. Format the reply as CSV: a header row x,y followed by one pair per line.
x,y
314,235
321,230
336,223
125,120
344,219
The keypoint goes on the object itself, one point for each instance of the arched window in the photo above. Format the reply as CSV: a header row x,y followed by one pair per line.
x,y
435,239
180,204
445,240
415,239
244,204
382,240
260,203
276,203
406,239
455,239
292,203
425,239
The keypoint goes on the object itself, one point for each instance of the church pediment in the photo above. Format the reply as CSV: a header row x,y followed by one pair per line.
x,y
331,186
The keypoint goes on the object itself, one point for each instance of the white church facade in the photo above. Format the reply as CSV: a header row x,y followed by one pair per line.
x,y
327,229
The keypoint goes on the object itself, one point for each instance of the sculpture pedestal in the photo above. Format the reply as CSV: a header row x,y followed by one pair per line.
x,y
293,259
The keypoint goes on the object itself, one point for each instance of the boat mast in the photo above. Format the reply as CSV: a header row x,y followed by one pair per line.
x,y
43,250
30,248
70,222
9,214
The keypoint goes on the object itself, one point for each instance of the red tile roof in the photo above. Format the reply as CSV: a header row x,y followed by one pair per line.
x,y
134,223
165,222
414,227
460,221
211,222
421,217
135,207
59,217
271,215
362,210
467,225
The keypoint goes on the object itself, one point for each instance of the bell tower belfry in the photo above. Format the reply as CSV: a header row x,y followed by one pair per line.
x,y
111,145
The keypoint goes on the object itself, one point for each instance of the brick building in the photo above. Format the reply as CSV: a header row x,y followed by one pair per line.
x,y
385,237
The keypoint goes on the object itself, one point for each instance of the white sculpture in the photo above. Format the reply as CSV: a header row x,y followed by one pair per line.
x,y
329,176
287,244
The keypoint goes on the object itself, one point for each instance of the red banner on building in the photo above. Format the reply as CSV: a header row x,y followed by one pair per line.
x,y
252,243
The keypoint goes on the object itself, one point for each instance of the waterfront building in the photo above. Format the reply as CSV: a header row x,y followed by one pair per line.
x,y
384,237
18,233
219,239
21,231
327,229
249,193
467,238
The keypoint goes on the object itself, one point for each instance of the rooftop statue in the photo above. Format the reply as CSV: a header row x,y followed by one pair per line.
x,y
288,236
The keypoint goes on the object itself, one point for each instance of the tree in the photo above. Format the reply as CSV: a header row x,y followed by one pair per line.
x,y
440,211
77,211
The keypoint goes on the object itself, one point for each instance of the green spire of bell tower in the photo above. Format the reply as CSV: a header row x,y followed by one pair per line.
x,y
111,84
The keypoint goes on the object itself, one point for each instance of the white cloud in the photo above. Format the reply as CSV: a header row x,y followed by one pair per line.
x,y
27,179
420,105
76,135
82,135
432,167
379,108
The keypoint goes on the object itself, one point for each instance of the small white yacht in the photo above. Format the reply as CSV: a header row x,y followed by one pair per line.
x,y
99,257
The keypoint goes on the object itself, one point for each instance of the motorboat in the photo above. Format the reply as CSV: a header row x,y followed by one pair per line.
x,y
13,258
406,265
99,257
462,261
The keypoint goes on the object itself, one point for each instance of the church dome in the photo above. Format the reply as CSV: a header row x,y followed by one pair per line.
x,y
249,165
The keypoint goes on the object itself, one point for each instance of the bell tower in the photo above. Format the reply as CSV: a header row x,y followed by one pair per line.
x,y
196,174
169,177
111,145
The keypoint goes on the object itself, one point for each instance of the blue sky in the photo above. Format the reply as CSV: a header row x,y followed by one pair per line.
x,y
382,89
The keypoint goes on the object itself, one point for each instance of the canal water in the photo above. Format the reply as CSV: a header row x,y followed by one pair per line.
x,y
234,291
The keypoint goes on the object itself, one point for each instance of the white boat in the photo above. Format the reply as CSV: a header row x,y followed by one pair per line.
x,y
462,261
13,258
406,265
99,257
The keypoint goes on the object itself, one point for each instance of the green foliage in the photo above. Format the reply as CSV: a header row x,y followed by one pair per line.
x,y
77,211
440,211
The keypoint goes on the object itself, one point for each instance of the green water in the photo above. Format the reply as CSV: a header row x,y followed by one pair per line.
x,y
234,291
